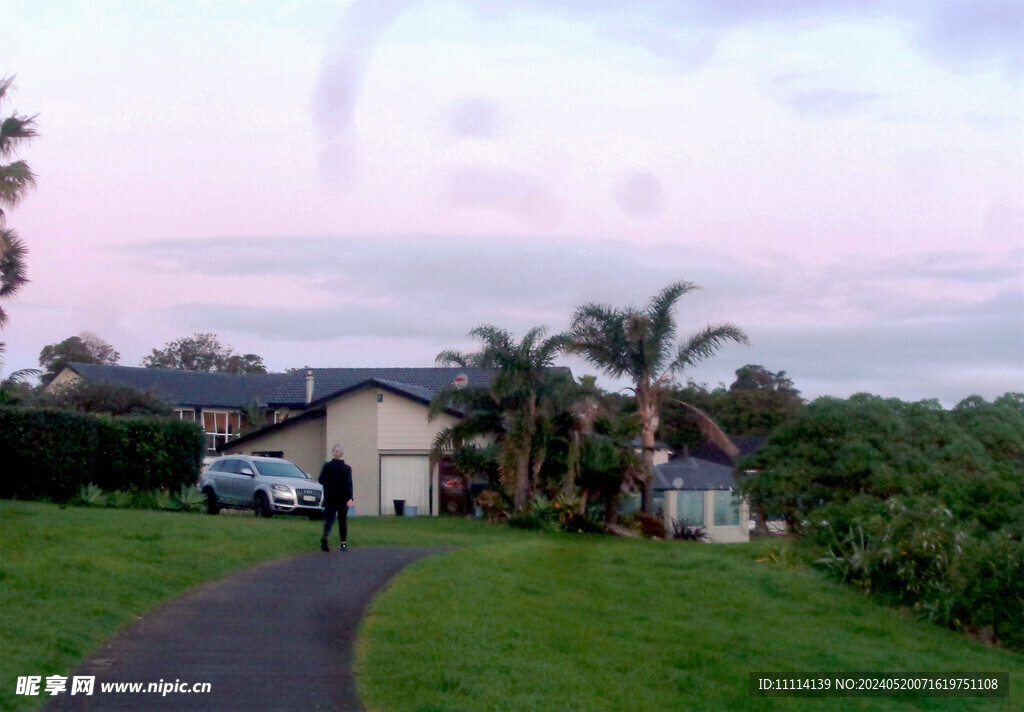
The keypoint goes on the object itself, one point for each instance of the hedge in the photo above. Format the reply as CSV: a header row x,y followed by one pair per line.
x,y
50,454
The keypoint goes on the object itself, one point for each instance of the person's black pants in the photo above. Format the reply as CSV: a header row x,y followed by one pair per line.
x,y
332,511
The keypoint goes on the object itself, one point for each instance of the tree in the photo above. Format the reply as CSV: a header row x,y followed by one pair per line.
x,y
84,348
757,403
15,179
203,352
512,407
113,398
641,345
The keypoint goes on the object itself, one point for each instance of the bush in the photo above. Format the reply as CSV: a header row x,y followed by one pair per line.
x,y
645,525
52,454
917,552
688,532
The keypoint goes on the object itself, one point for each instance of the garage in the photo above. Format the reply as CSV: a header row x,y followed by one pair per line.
x,y
405,477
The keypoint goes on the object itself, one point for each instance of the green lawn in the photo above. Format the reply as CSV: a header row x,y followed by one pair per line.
x,y
511,620
569,623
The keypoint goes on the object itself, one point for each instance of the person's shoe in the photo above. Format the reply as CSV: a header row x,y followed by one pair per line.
x,y
344,546
323,545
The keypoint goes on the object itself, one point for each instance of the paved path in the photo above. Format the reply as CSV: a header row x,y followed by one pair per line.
x,y
278,636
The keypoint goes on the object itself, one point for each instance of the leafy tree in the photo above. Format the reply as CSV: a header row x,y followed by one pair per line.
x,y
513,407
757,403
203,352
15,179
641,345
84,348
838,450
113,398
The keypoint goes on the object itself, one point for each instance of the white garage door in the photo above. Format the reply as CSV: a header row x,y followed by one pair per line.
x,y
405,477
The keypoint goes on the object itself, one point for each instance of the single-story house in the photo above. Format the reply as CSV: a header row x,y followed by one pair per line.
x,y
698,489
379,415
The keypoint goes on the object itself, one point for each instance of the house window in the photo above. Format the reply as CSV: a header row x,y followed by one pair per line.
x,y
220,426
186,414
690,507
727,509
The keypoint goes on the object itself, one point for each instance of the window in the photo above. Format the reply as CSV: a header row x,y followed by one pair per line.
x,y
727,509
690,507
220,426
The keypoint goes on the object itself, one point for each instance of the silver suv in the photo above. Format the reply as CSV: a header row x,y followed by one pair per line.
x,y
264,484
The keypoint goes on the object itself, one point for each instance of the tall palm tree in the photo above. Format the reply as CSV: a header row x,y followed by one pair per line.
x,y
641,345
511,407
15,179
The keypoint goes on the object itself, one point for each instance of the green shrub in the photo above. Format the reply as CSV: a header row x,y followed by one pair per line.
x,y
51,454
919,553
92,495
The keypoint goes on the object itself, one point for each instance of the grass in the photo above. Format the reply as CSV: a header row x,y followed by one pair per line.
x,y
511,620
563,623
70,578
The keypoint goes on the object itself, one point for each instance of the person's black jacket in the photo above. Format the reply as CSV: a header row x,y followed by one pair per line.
x,y
336,477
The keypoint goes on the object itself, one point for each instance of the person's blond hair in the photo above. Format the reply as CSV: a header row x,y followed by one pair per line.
x,y
338,451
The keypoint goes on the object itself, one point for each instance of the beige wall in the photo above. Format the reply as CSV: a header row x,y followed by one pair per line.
x,y
718,535
403,424
64,379
301,443
352,421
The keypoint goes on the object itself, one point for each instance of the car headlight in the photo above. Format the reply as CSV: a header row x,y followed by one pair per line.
x,y
282,488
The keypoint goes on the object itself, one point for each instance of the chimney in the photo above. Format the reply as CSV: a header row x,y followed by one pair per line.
x,y
309,386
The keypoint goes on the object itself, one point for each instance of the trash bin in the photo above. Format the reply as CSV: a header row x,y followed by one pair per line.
x,y
399,507
411,510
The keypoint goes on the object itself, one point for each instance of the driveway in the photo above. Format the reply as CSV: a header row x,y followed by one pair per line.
x,y
278,636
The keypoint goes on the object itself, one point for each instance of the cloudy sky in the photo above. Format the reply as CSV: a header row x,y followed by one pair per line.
x,y
360,184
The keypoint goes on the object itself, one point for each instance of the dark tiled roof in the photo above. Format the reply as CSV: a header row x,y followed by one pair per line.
x,y
691,473
421,382
746,444
189,388
228,390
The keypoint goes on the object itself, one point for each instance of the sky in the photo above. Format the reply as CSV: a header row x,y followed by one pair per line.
x,y
338,184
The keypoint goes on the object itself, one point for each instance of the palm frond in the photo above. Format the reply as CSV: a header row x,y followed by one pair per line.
x,y
15,179
452,358
706,343
15,129
710,430
660,309
13,272
599,334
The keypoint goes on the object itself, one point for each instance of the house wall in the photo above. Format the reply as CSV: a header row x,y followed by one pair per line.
x,y
718,535
404,427
63,379
302,443
727,534
352,421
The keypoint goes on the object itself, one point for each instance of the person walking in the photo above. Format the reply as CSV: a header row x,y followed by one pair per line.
x,y
336,478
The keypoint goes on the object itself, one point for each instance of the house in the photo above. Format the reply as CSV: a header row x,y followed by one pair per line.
x,y
697,489
379,415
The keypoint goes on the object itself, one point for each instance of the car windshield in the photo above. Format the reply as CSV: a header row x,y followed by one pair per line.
x,y
280,469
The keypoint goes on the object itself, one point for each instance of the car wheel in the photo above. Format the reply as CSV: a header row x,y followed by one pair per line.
x,y
262,506
211,501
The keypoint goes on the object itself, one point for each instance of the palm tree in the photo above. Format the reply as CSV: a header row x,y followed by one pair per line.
x,y
641,345
12,266
512,407
15,179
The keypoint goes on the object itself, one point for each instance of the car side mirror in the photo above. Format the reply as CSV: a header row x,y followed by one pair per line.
x,y
245,471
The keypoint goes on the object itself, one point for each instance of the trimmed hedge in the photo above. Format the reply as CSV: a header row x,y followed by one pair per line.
x,y
50,454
